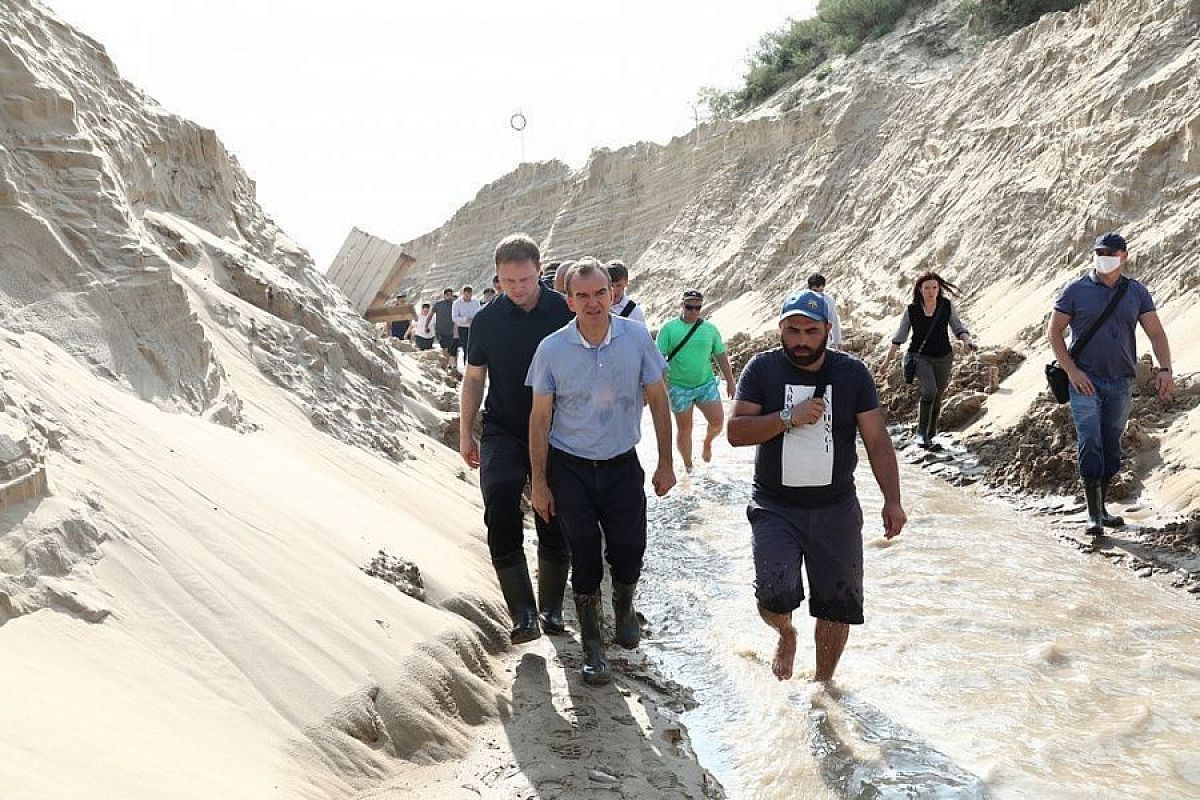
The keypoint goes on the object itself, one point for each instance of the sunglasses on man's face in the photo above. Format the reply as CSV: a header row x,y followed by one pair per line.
x,y
688,307
1106,252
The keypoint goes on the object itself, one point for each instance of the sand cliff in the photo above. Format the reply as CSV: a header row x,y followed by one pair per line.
x,y
995,164
204,451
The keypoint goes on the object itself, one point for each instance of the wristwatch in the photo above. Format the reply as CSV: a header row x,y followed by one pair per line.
x,y
1166,370
785,414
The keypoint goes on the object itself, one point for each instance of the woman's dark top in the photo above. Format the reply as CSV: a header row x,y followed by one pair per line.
x,y
936,327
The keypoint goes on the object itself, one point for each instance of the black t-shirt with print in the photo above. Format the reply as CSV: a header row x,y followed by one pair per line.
x,y
830,448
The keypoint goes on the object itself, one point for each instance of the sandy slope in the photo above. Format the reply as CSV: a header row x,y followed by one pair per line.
x,y
202,447
995,164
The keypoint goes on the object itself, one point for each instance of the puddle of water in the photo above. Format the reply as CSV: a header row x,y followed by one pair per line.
x,y
995,661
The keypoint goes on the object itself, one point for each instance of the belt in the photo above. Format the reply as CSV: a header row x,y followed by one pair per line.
x,y
628,455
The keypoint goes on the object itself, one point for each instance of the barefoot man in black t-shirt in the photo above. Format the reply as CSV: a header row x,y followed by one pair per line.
x,y
802,404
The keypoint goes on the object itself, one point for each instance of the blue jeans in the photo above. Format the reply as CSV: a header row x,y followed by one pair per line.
x,y
1099,423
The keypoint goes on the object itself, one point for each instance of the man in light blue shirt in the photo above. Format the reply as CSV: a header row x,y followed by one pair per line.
x,y
589,379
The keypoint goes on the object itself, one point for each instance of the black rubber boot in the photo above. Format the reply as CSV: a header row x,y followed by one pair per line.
x,y
924,437
628,632
1093,492
1108,520
552,582
518,595
595,665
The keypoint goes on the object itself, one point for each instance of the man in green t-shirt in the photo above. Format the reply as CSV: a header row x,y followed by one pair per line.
x,y
690,379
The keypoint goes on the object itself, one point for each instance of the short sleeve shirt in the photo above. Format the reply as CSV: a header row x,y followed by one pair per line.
x,y
808,466
1112,351
503,339
692,365
597,389
443,312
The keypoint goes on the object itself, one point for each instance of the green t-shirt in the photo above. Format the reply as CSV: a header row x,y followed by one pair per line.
x,y
693,365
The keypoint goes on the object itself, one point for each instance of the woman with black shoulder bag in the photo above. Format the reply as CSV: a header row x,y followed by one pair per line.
x,y
929,318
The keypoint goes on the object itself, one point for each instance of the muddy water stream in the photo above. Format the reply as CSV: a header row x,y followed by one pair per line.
x,y
995,661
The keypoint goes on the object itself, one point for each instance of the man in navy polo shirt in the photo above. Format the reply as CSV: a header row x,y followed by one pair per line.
x,y
1101,378
505,334
802,404
589,380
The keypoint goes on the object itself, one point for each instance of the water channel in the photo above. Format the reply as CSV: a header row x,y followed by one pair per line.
x,y
995,660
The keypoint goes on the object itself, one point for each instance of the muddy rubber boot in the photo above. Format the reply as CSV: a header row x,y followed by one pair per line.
x,y
552,582
1108,520
518,596
628,632
924,440
931,427
1093,492
595,665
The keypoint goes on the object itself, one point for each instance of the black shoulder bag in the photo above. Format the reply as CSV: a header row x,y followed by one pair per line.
x,y
628,309
1056,376
910,360
684,340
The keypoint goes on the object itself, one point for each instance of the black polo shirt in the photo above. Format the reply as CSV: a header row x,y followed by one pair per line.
x,y
504,339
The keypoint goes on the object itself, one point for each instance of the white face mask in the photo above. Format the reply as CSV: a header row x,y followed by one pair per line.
x,y
1106,264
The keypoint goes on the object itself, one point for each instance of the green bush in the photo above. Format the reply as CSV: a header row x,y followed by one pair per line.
x,y
856,21
843,26
1000,17
788,54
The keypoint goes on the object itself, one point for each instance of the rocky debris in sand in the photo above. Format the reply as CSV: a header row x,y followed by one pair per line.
x,y
404,575
39,559
451,427
974,377
1182,536
23,446
741,347
1039,455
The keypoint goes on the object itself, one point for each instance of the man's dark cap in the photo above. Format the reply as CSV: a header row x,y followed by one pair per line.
x,y
1110,241
693,294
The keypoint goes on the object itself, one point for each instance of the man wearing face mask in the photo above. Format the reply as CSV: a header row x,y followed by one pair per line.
x,y
1101,374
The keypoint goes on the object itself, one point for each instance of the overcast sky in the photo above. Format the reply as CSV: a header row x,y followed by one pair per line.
x,y
390,116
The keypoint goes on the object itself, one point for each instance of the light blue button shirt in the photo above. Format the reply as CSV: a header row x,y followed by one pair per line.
x,y
597,390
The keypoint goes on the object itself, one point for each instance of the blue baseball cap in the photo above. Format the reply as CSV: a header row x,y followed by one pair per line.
x,y
808,303
1110,241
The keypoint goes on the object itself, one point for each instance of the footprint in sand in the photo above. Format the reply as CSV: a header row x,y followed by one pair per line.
x,y
572,751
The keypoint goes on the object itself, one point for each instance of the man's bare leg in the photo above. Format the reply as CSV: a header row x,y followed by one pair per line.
x,y
785,650
714,415
830,638
683,436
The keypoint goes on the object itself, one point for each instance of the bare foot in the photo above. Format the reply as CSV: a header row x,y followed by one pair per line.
x,y
785,654
706,453
687,465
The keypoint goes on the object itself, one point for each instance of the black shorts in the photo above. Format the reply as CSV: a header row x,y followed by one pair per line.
x,y
423,343
447,341
826,540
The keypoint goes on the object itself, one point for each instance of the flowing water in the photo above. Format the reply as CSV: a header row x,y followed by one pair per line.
x,y
995,661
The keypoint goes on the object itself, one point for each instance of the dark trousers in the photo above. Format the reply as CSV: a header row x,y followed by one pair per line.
x,y
933,376
602,508
503,474
400,327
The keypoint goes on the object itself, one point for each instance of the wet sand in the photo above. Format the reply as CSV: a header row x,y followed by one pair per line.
x,y
559,738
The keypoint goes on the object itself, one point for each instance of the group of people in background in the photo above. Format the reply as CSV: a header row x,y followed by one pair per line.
x,y
563,365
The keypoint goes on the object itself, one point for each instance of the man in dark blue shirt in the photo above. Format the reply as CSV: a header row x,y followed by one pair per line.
x,y
504,336
1101,375
802,405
